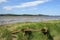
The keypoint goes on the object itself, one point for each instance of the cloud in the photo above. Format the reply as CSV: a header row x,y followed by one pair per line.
x,y
8,8
1,1
26,4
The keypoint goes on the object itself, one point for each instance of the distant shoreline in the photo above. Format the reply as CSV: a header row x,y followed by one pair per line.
x,y
22,15
27,15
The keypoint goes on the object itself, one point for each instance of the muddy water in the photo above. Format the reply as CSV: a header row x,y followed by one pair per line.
x,y
14,19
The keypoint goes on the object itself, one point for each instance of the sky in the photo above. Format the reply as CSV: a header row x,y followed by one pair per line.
x,y
46,7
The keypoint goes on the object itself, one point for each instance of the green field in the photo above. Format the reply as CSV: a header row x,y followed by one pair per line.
x,y
53,26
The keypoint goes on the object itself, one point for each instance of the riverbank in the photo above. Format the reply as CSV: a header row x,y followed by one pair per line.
x,y
53,26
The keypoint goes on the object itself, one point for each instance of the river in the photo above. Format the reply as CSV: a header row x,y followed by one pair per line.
x,y
15,19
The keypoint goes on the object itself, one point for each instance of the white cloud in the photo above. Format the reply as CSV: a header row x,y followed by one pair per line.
x,y
8,7
1,1
27,4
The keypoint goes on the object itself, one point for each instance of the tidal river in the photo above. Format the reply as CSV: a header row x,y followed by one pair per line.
x,y
15,19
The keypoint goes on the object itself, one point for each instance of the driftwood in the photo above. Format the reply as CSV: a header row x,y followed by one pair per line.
x,y
14,32
43,30
29,31
23,30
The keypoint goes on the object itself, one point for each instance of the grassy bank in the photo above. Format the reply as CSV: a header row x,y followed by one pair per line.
x,y
53,26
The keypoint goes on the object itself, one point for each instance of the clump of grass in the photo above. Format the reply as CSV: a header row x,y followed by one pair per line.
x,y
5,34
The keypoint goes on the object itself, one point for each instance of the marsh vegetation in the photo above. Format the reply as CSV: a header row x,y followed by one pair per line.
x,y
11,31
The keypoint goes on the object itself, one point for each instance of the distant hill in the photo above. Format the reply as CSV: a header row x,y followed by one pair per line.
x,y
22,15
8,15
